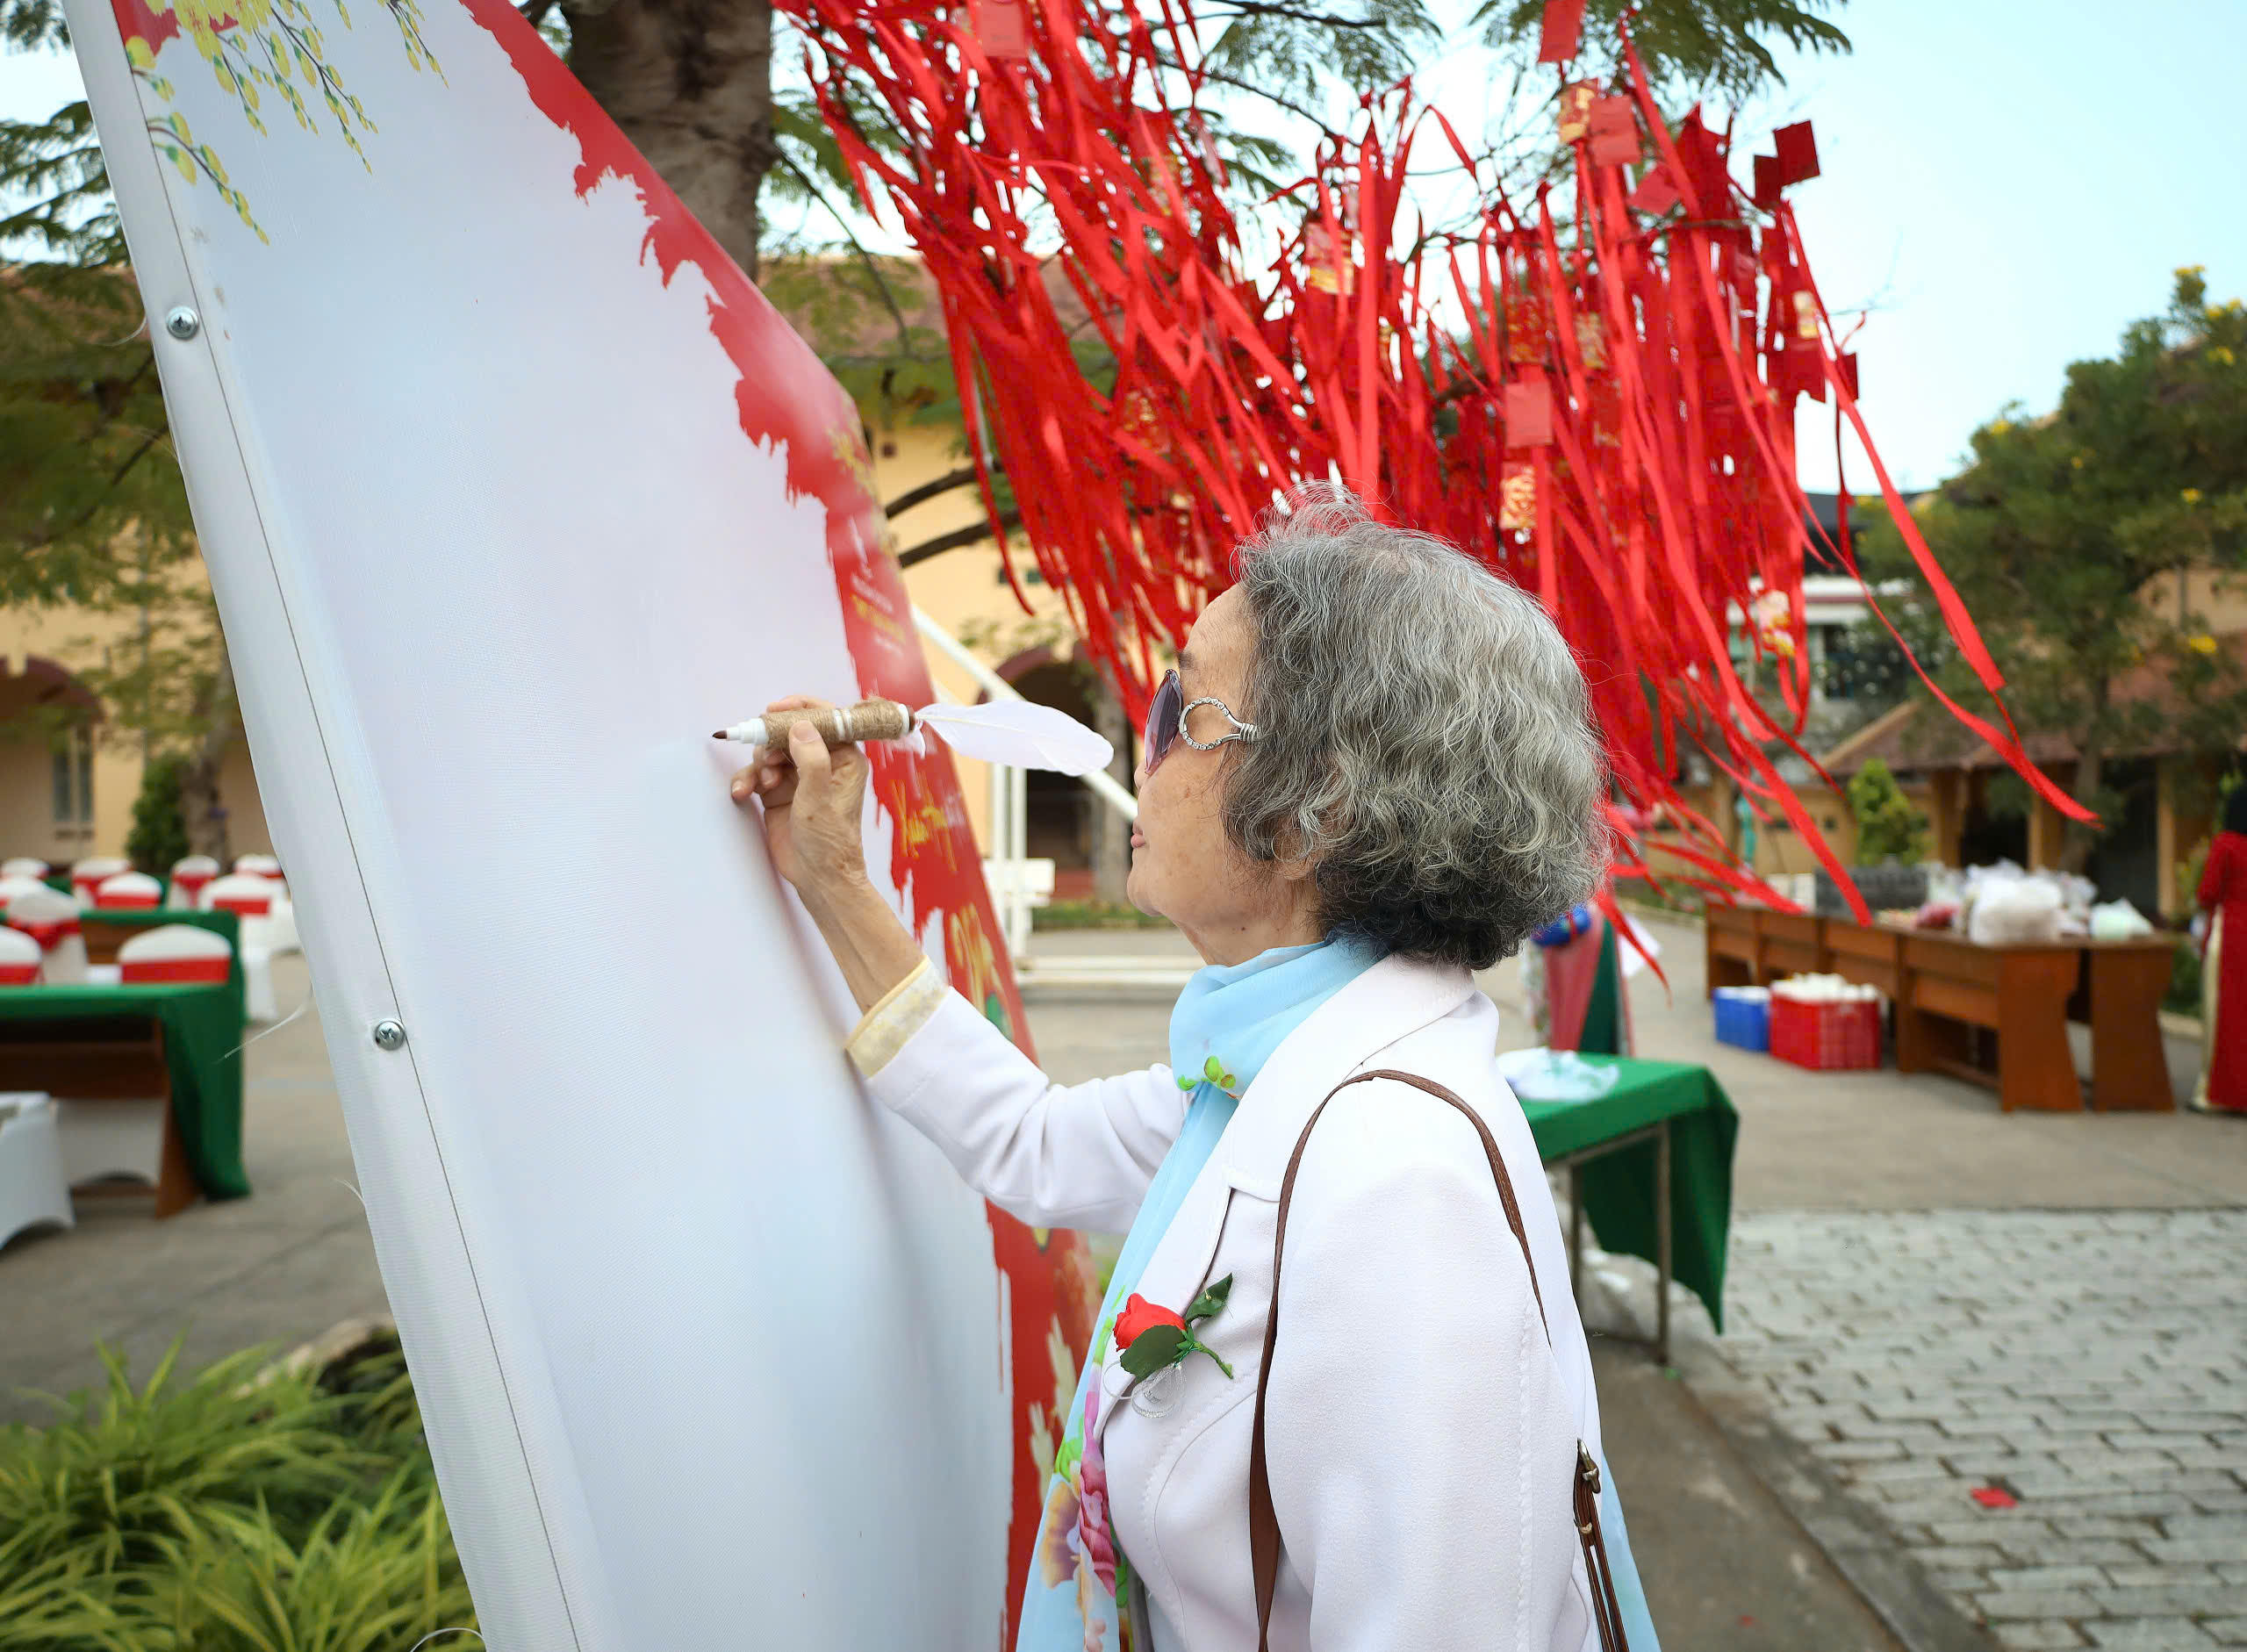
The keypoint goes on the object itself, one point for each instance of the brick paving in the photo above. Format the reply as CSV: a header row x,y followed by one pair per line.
x,y
2092,1364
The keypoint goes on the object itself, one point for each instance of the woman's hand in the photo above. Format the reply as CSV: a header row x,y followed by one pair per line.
x,y
812,799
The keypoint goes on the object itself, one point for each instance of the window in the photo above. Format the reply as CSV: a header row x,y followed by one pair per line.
x,y
73,779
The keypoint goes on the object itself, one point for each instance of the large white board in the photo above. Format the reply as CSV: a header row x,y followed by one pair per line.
x,y
512,488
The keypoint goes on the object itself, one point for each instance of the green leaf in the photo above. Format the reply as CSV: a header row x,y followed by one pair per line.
x,y
1210,1300
1152,1349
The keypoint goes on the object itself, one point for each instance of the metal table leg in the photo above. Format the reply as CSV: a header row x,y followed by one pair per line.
x,y
1662,1246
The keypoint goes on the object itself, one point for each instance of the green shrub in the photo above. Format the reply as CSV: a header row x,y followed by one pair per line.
x,y
1888,826
1092,914
2184,995
119,1469
158,840
239,1511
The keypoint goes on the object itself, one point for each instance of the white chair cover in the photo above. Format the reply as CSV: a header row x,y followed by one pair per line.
x,y
25,866
51,918
131,889
175,951
12,886
34,1191
190,874
20,959
86,875
251,898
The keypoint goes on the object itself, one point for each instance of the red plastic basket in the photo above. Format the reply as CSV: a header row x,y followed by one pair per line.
x,y
1826,1037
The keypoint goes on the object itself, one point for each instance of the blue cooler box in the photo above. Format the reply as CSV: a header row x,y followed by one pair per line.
x,y
1744,1017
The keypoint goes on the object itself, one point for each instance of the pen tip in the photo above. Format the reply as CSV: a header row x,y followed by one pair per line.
x,y
717,734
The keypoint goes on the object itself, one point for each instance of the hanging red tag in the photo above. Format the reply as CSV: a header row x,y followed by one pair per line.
x,y
1797,155
1529,412
1767,182
1000,25
1563,29
1656,194
1614,126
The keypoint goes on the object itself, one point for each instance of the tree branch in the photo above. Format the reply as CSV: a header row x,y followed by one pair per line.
x,y
881,284
88,515
974,532
1255,8
1202,71
928,491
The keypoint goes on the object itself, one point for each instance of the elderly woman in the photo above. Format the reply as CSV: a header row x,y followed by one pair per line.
x,y
1372,772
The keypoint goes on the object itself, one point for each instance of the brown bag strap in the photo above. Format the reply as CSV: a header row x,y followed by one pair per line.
x,y
1264,1525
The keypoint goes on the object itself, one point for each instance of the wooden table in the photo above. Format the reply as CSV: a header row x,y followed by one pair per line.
x,y
1955,990
1995,1015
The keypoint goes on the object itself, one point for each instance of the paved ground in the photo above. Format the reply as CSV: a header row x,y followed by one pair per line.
x,y
280,1266
1927,1297
2092,1366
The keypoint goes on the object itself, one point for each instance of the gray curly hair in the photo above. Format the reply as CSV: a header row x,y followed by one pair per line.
x,y
1425,737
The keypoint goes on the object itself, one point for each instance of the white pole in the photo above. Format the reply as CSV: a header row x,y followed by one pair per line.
x,y
1103,785
1018,782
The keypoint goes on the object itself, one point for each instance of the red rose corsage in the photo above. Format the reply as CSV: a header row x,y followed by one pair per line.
x,y
1150,1338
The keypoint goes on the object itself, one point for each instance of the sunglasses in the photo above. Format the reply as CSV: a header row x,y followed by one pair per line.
x,y
1167,715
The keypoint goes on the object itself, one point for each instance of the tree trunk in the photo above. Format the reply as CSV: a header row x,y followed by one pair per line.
x,y
2078,840
200,804
1111,833
691,83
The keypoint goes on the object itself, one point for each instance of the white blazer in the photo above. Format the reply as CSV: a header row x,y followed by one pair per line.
x,y
1420,1438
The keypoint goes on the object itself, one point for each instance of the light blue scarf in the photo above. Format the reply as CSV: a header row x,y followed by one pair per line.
x,y
1225,1027
1227,1023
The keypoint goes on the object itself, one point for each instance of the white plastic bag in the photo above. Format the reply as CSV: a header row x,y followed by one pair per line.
x,y
2015,911
2118,920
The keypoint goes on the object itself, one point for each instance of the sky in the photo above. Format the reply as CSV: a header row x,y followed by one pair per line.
x,y
2007,184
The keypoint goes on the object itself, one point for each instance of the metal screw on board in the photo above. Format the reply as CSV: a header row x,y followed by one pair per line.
x,y
182,323
389,1034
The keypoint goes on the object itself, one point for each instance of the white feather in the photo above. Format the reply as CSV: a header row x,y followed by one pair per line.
x,y
1019,733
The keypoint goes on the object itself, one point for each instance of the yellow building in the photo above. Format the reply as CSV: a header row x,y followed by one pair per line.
x,y
63,803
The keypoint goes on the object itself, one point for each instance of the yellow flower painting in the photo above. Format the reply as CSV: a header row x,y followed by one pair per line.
x,y
260,51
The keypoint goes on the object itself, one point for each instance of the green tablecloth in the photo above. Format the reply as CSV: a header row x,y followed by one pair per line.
x,y
1619,1191
203,1037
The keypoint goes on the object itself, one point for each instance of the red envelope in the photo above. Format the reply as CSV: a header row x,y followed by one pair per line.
x,y
1797,154
999,25
1563,29
1614,132
1529,412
